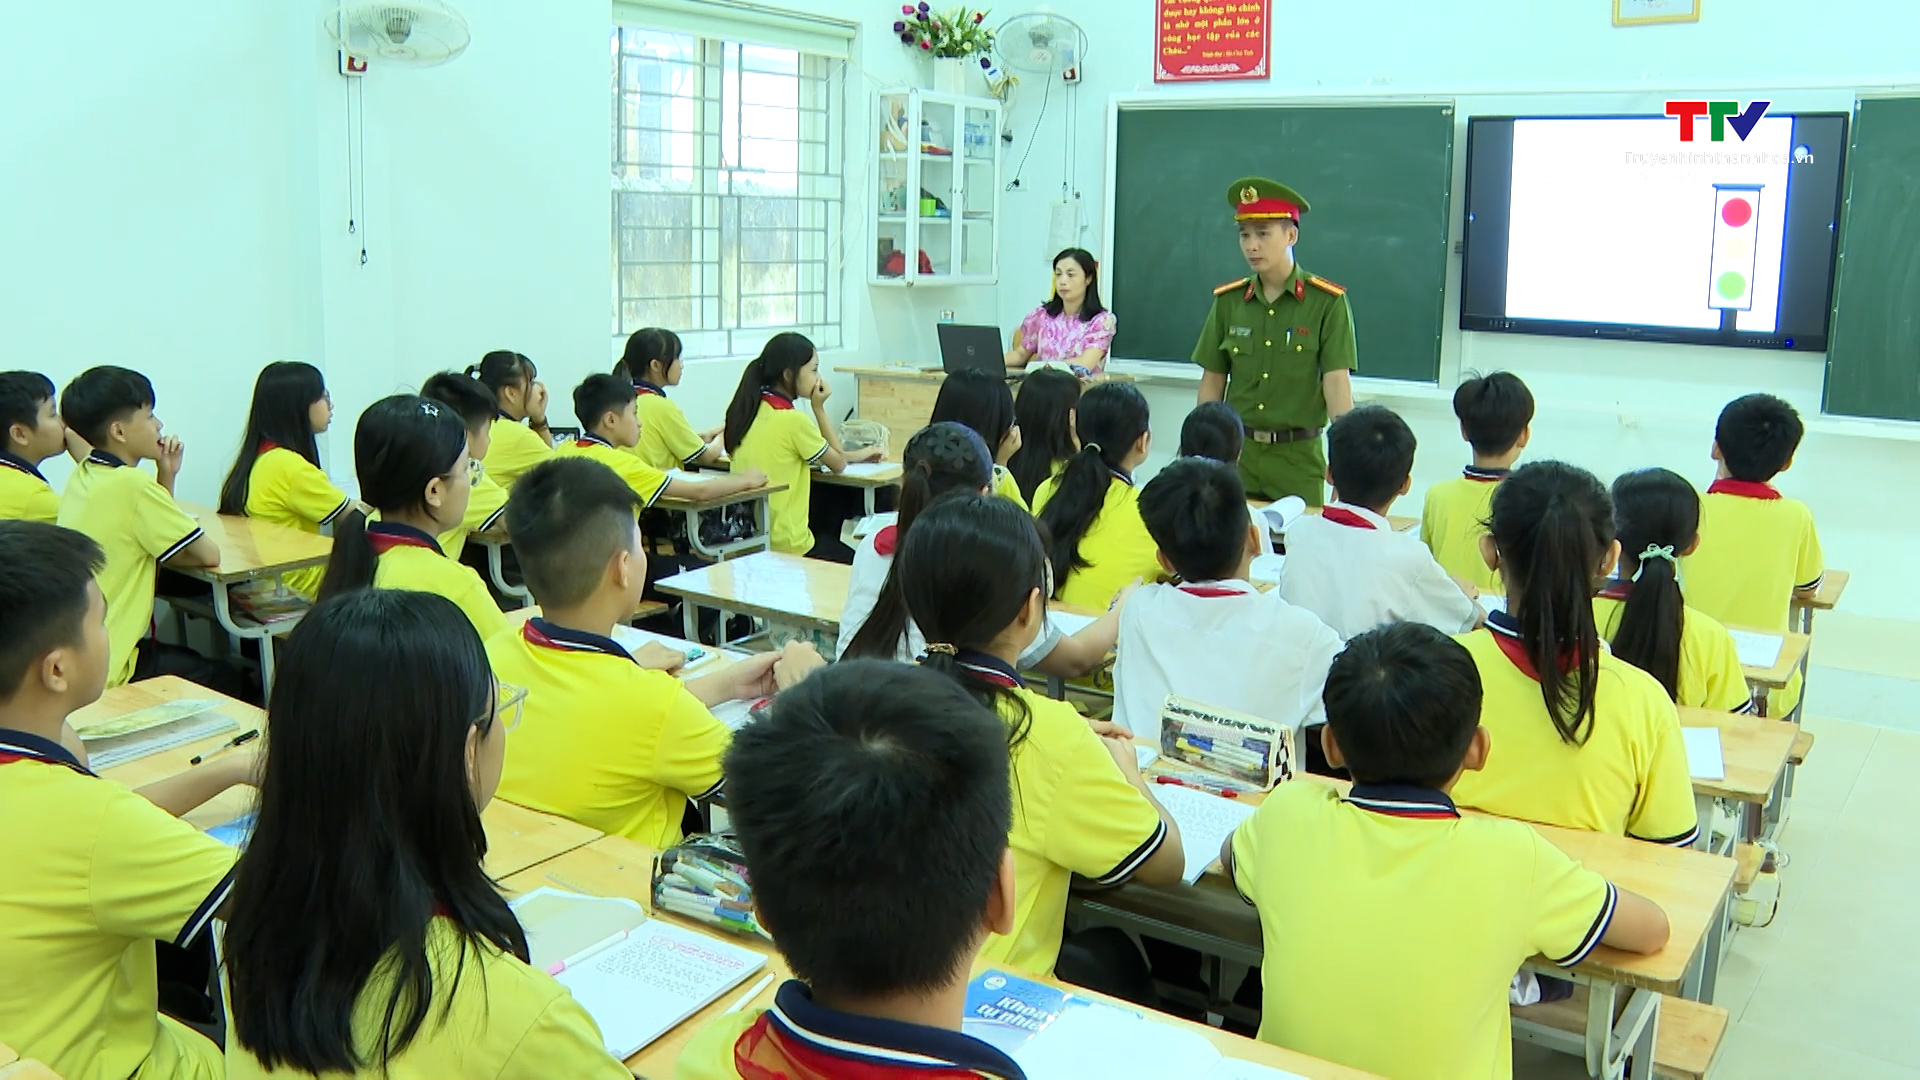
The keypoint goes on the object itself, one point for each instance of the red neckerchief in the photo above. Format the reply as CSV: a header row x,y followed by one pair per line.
x,y
776,399
1209,591
1506,634
1746,489
764,1052
383,538
886,540
268,444
588,438
1340,515
642,386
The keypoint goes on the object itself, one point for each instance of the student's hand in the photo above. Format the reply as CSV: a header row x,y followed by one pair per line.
x,y
1107,729
797,661
1120,598
754,477
1124,756
821,392
870,454
751,678
77,447
658,657
172,453
712,433
537,405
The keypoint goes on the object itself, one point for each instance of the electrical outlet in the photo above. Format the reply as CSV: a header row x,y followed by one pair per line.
x,y
1071,75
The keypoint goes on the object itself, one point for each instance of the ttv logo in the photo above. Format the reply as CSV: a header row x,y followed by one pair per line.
x,y
1722,114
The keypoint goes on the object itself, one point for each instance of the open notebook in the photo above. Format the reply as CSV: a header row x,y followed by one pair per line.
x,y
116,740
637,977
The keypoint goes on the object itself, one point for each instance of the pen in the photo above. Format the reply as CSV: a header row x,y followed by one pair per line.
x,y
587,953
241,739
750,995
1223,792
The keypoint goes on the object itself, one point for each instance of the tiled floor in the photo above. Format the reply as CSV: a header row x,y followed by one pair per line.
x,y
1828,990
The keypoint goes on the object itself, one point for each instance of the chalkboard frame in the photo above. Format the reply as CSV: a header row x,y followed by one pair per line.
x,y
1420,363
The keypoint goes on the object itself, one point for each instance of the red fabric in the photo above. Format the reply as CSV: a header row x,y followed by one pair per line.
x,y
778,401
1746,489
1209,591
764,1053
385,542
886,540
1342,516
268,444
8,757
582,444
1267,210
1516,651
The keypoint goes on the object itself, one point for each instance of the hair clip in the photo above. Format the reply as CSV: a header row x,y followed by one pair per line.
x,y
428,408
1654,551
1093,446
942,648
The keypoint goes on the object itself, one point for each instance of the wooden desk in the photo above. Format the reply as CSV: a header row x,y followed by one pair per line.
x,y
691,510
1825,598
869,482
900,397
124,699
252,550
616,866
769,585
1793,652
518,837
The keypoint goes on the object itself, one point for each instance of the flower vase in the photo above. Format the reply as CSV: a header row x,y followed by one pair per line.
x,y
953,75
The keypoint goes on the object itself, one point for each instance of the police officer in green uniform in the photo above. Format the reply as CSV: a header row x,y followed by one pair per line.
x,y
1278,347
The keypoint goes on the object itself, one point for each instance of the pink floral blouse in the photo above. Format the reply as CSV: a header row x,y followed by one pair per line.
x,y
1060,339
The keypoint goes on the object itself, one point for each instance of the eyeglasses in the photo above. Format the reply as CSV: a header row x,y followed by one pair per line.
x,y
509,702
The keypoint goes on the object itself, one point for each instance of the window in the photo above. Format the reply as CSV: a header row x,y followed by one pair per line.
x,y
727,190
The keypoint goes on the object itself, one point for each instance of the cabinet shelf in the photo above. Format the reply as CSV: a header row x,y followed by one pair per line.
x,y
966,130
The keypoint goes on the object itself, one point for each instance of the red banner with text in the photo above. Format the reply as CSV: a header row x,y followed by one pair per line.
x,y
1203,40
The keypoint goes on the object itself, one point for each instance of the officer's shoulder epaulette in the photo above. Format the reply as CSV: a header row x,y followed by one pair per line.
x,y
1321,283
1229,287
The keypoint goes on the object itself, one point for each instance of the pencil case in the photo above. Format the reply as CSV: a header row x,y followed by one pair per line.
x,y
704,878
1235,745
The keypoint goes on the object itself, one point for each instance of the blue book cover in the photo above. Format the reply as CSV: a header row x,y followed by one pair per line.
x,y
1007,1010
234,833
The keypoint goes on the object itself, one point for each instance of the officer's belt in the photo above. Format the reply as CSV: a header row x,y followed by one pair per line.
x,y
1290,435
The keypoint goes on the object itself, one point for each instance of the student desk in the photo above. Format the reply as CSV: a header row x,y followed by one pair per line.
x,y
869,477
1691,886
1793,654
253,550
518,837
1800,617
124,699
495,540
616,866
779,588
691,509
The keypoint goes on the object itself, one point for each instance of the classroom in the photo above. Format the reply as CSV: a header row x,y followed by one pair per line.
x,y
553,536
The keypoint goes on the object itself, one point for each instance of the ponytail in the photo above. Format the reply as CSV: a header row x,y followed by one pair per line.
x,y
1552,524
1657,514
1113,416
401,444
350,567
776,368
941,459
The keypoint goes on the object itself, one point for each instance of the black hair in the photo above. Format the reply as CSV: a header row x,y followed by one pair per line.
x,y
44,570
21,393
1653,508
471,399
1044,410
567,517
503,368
866,783
1196,511
1758,435
282,395
1403,702
1090,305
777,368
1213,430
98,396
1113,416
941,459
981,402
598,396
1369,455
1493,410
644,347
399,446
1552,523
966,571
323,901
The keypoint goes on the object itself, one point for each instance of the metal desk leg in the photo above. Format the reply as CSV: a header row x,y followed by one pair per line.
x,y
1057,687
497,570
690,620
1609,1043
872,494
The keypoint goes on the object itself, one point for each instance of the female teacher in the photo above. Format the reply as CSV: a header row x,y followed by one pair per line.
x,y
1072,330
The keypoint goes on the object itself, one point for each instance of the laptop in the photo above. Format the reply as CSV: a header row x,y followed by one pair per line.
x,y
972,348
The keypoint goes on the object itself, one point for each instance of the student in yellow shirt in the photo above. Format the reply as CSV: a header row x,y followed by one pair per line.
x,y
277,476
411,457
610,427
1092,509
982,402
1585,739
908,774
1392,869
1641,611
607,743
1495,413
97,876
974,574
765,431
1758,548
128,512
521,438
364,937
33,432
667,441
1044,411
470,399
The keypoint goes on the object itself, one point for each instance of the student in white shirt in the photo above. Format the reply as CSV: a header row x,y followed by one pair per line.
x,y
1347,565
1214,430
1213,637
943,459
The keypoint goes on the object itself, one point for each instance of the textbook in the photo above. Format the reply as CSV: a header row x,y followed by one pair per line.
x,y
637,977
1280,513
1008,1011
632,639
116,740
1115,1044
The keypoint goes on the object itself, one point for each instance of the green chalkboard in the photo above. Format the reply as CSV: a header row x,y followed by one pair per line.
x,y
1873,350
1379,178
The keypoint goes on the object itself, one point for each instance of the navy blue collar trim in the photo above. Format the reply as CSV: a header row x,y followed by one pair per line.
x,y
498,415
541,632
14,461
642,386
1475,472
590,437
390,528
876,1041
1403,800
1120,476
101,457
1503,622
40,748
991,668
